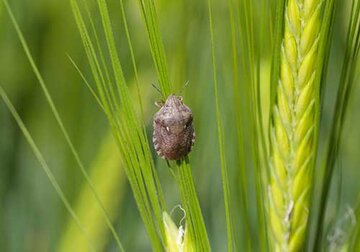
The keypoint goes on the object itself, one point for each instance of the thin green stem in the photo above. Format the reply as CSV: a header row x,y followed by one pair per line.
x,y
194,219
224,169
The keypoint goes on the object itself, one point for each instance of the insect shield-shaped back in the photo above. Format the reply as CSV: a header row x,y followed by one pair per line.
x,y
174,133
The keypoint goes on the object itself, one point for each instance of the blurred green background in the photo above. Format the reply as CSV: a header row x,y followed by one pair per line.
x,y
32,218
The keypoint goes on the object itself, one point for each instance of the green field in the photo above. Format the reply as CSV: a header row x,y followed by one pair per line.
x,y
81,172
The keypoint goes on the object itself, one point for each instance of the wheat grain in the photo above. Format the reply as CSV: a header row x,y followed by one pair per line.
x,y
292,127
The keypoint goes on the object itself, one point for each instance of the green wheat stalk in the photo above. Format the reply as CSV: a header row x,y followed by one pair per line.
x,y
220,131
156,45
127,130
248,110
293,125
349,78
195,226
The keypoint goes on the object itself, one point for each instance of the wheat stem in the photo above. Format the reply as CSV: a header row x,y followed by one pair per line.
x,y
292,126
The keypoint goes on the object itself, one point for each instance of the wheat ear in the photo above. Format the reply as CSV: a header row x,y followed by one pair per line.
x,y
292,127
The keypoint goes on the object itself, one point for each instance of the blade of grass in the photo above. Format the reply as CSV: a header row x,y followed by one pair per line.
x,y
46,169
133,61
239,127
184,178
252,111
260,142
224,170
128,38
107,163
130,136
92,91
194,220
59,121
347,81
148,11
123,94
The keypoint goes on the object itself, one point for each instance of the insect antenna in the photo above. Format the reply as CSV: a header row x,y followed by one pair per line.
x,y
156,88
185,85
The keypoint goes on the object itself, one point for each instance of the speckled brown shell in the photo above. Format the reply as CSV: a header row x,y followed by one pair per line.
x,y
174,133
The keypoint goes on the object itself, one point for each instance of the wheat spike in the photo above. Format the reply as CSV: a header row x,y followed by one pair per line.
x,y
292,127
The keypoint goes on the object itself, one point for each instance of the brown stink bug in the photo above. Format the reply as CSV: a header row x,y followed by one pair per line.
x,y
174,133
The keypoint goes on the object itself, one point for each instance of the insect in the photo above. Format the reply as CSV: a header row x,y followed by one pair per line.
x,y
174,134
